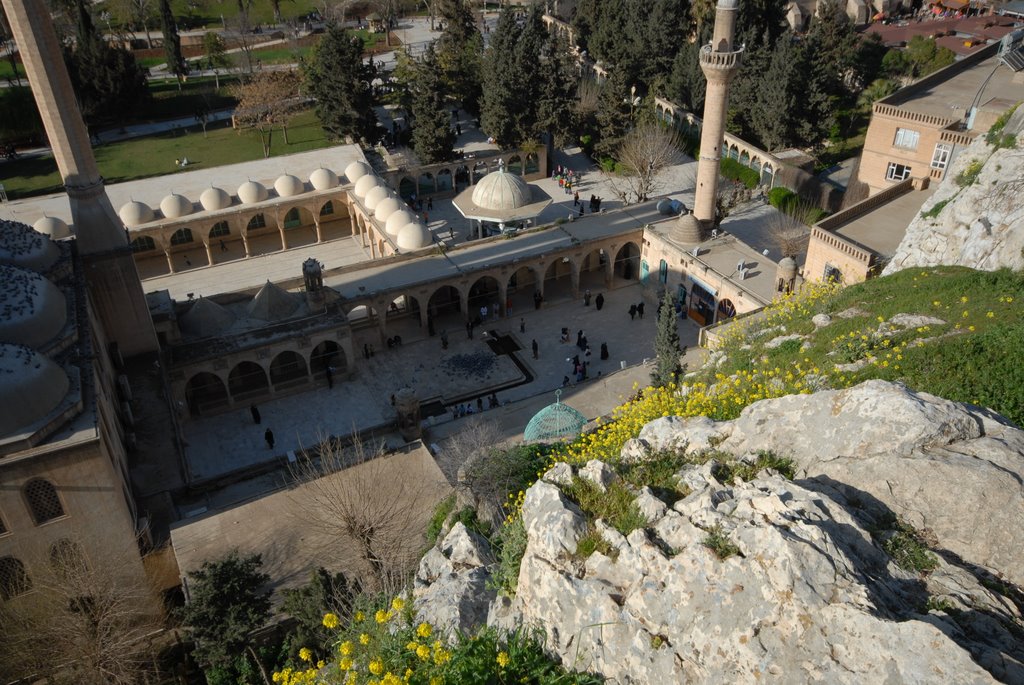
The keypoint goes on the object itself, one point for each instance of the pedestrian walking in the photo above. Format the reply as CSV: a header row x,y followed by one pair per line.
x,y
480,405
255,413
576,199
430,204
469,330
640,309
366,351
581,210
330,377
223,247
579,338
535,347
604,350
586,298
632,312
188,262
522,325
483,313
269,437
599,301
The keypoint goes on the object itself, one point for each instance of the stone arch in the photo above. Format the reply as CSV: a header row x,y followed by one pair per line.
x,y
726,309
444,181
406,188
205,392
734,152
462,177
479,171
256,221
521,286
182,236
143,243
532,163
14,579
247,380
287,368
220,230
446,300
745,158
327,353
755,164
767,174
484,292
592,269
558,278
362,314
43,502
404,304
626,264
515,165
426,184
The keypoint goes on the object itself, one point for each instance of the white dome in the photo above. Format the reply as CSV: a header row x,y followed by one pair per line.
x,y
414,236
500,190
323,179
31,386
251,192
397,221
374,196
356,170
53,227
34,310
134,213
174,206
22,245
365,184
287,185
387,207
214,198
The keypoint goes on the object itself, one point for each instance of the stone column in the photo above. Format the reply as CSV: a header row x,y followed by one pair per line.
x,y
170,261
316,223
209,254
407,405
245,243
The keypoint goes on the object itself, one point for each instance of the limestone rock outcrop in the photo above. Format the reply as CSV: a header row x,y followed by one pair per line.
x,y
979,225
451,583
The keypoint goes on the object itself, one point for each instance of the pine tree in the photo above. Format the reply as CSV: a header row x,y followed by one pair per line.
x,y
460,50
613,114
340,82
172,42
503,92
432,136
557,97
667,367
774,112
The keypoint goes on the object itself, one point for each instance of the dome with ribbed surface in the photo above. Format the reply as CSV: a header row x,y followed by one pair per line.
x,y
500,190
214,198
32,309
323,179
356,170
386,207
555,422
53,227
134,213
174,206
287,185
365,184
31,386
414,236
22,245
397,221
375,196
251,192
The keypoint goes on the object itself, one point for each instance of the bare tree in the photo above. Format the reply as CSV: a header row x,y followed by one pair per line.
x,y
87,621
137,13
645,152
788,229
267,100
238,35
356,493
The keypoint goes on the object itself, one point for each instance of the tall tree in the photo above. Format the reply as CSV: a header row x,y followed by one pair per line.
x,y
340,81
460,53
645,152
433,138
831,47
136,14
503,89
267,100
667,367
226,604
774,113
556,103
172,42
613,114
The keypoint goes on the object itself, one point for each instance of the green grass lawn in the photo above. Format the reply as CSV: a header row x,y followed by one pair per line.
x,y
155,155
7,73
972,356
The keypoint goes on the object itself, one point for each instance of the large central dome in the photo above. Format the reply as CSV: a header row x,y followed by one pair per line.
x,y
501,191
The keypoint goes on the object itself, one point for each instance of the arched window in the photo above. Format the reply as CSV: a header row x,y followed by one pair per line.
x,y
220,229
42,499
67,560
327,209
663,272
13,579
143,244
257,222
292,218
181,236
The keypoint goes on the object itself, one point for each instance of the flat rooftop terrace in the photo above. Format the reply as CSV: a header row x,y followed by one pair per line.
x,y
881,229
954,97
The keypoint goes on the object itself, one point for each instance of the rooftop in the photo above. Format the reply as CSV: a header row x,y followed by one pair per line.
x,y
882,228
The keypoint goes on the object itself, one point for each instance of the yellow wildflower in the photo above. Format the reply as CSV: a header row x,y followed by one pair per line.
x,y
331,621
345,648
398,604
503,659
376,666
364,639
346,663
359,617
382,616
306,654
423,630
423,652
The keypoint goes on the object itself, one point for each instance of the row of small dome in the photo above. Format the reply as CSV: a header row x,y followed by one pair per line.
x,y
384,205
174,206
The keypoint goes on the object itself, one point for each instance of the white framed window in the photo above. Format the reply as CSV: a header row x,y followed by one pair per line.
x,y
940,158
897,172
906,138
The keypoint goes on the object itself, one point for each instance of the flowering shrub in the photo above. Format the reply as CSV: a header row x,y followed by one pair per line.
x,y
386,645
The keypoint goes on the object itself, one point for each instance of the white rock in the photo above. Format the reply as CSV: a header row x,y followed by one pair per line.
x,y
559,474
598,473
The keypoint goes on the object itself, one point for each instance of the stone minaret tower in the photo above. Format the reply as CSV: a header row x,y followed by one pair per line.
x,y
719,60
113,280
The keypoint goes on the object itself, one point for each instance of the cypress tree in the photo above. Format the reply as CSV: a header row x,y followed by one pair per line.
x,y
172,42
667,367
432,136
340,82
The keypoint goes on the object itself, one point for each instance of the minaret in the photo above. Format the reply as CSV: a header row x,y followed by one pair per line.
x,y
719,60
102,242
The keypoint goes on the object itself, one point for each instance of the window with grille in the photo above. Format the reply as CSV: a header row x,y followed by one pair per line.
x,y
832,274
143,244
292,219
906,138
327,209
220,229
940,158
897,172
257,222
42,499
181,237
14,580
